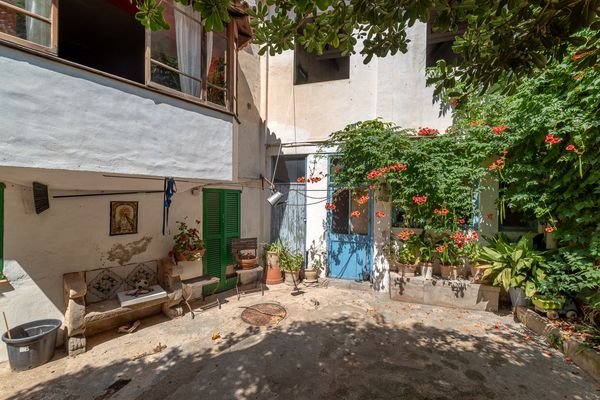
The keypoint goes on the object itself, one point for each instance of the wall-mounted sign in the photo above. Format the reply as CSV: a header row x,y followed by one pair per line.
x,y
123,217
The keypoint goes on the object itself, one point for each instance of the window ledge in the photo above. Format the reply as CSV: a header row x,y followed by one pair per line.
x,y
52,57
4,281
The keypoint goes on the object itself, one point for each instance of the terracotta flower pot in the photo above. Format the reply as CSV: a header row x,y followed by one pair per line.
x,y
426,270
274,276
248,263
408,270
190,255
292,278
311,275
448,271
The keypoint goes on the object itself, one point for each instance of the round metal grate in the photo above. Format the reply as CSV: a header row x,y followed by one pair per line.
x,y
264,314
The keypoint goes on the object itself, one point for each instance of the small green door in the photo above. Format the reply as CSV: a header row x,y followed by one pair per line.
x,y
221,223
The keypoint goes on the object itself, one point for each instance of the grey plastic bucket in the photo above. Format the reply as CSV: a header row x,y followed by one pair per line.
x,y
31,344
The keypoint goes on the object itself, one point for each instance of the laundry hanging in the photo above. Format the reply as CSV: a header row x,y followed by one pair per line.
x,y
170,188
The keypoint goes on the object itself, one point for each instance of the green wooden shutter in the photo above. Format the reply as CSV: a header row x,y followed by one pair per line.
x,y
222,217
1,230
212,232
231,205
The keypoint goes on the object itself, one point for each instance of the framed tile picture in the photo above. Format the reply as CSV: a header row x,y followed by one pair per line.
x,y
123,217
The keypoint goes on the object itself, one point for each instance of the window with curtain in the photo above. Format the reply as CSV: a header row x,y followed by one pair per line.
x,y
28,21
176,54
189,60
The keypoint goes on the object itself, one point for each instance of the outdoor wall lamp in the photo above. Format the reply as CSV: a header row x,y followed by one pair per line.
x,y
275,196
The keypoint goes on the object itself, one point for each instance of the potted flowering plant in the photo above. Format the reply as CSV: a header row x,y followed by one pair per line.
x,y
447,256
405,246
188,244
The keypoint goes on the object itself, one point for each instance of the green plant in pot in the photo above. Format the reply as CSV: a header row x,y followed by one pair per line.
x,y
188,244
513,266
405,251
273,253
290,264
446,252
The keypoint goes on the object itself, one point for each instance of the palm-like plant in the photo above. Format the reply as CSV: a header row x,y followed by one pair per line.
x,y
512,265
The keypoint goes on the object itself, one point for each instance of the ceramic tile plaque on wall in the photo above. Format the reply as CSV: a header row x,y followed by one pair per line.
x,y
123,217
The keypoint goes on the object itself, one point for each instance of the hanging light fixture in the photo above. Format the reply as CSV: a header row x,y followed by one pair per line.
x,y
276,195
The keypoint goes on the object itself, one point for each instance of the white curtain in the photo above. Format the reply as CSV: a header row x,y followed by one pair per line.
x,y
209,49
189,37
38,31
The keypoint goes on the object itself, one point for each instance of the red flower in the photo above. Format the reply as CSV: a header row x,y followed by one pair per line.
x,y
355,214
397,167
374,174
440,249
330,206
301,179
372,187
427,132
474,123
579,56
571,147
363,199
551,139
497,130
444,211
380,214
498,164
462,221
419,199
549,229
436,211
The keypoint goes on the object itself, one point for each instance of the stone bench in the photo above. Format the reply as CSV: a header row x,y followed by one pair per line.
x,y
92,304
447,293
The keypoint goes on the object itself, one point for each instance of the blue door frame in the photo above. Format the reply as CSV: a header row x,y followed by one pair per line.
x,y
349,255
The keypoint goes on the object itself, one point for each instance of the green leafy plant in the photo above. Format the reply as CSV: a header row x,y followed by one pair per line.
x,y
291,262
512,265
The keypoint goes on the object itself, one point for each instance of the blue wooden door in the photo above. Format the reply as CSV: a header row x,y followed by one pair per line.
x,y
349,234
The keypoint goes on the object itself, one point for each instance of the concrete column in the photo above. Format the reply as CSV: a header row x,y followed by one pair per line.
x,y
381,233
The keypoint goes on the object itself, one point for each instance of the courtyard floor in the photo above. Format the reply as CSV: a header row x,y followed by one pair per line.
x,y
336,342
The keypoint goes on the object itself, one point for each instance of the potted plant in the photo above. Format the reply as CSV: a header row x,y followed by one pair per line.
x,y
405,248
188,244
247,260
290,264
425,253
515,267
311,275
446,254
272,254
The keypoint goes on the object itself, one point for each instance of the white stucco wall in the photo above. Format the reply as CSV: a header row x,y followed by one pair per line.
x,y
73,235
392,88
59,117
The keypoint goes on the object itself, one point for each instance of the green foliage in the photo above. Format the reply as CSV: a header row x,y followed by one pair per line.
x,y
214,12
569,272
445,169
557,182
512,265
503,40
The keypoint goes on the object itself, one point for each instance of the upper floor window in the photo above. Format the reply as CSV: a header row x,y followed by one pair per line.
x,y
189,60
312,67
439,46
29,22
104,34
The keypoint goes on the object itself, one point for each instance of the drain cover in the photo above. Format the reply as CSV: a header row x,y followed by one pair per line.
x,y
264,314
